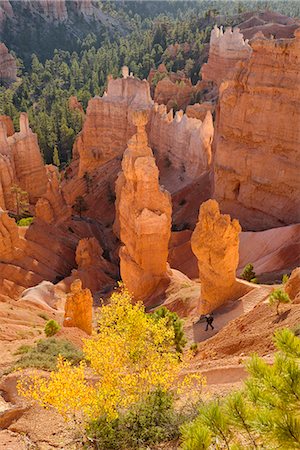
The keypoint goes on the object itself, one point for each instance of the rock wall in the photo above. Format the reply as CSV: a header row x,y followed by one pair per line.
x,y
257,138
215,242
226,49
143,217
183,142
8,66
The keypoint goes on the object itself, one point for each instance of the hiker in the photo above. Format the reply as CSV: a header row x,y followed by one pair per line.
x,y
209,320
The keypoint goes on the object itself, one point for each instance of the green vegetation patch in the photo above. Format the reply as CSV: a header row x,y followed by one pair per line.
x,y
25,222
44,354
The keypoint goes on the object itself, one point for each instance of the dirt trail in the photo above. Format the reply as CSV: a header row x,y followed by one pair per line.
x,y
222,316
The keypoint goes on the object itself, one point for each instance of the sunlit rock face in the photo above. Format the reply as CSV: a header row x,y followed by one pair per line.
x,y
21,162
79,308
215,242
143,216
107,126
257,138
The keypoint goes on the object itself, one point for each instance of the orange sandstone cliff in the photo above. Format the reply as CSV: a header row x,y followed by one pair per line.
x,y
21,163
256,163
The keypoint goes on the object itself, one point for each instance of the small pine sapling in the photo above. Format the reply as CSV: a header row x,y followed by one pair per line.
x,y
279,297
249,274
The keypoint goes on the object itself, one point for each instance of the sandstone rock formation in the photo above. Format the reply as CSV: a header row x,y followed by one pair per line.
x,y
143,216
292,286
21,163
9,125
79,308
108,127
8,66
10,242
183,142
30,170
226,49
52,11
174,94
93,270
175,89
52,205
215,242
256,163
199,110
88,253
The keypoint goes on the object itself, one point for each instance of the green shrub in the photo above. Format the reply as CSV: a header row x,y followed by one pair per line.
x,y
51,328
25,222
194,348
264,414
285,278
44,354
151,422
249,274
23,349
279,297
172,321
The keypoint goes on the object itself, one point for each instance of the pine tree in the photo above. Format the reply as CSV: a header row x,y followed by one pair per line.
x,y
21,203
249,274
56,160
264,414
279,297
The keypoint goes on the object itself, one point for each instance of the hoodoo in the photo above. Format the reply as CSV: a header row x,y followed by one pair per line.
x,y
143,216
79,308
215,242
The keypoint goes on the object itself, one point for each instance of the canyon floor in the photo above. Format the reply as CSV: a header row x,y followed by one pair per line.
x,y
241,328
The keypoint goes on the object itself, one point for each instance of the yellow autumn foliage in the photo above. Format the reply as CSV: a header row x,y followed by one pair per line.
x,y
130,355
